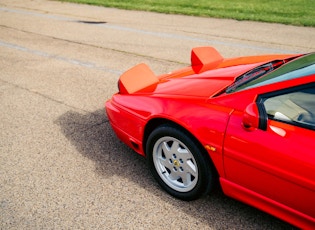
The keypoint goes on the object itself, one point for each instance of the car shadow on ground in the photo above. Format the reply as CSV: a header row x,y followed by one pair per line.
x,y
93,137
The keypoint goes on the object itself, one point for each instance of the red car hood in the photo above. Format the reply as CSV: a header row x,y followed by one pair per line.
x,y
205,84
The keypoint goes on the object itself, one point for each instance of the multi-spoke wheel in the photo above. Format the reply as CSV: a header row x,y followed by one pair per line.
x,y
178,163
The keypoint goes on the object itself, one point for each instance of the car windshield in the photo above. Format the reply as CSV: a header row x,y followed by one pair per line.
x,y
274,72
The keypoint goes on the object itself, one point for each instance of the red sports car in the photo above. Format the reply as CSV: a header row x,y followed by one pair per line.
x,y
247,123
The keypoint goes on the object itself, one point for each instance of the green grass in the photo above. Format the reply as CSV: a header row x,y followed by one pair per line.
x,y
292,12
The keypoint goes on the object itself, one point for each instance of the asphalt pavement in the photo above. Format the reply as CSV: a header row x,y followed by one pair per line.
x,y
61,165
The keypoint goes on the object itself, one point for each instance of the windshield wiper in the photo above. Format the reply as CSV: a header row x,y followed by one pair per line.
x,y
254,74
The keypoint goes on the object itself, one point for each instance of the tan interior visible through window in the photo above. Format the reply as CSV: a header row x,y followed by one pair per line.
x,y
295,107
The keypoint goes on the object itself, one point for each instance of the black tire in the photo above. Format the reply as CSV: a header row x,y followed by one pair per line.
x,y
178,163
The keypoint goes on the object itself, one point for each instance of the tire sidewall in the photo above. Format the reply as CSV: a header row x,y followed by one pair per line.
x,y
205,179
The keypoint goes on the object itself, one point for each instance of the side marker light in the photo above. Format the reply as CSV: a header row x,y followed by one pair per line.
x,y
211,148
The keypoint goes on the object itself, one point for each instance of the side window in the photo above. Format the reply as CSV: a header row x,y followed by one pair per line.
x,y
296,107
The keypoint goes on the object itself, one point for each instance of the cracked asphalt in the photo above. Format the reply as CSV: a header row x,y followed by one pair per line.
x,y
61,165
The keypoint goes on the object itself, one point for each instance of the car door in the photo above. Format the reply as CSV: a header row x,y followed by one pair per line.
x,y
276,160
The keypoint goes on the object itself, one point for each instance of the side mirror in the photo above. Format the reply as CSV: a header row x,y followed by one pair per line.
x,y
250,119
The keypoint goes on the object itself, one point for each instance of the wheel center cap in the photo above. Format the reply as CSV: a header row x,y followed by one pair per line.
x,y
176,163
